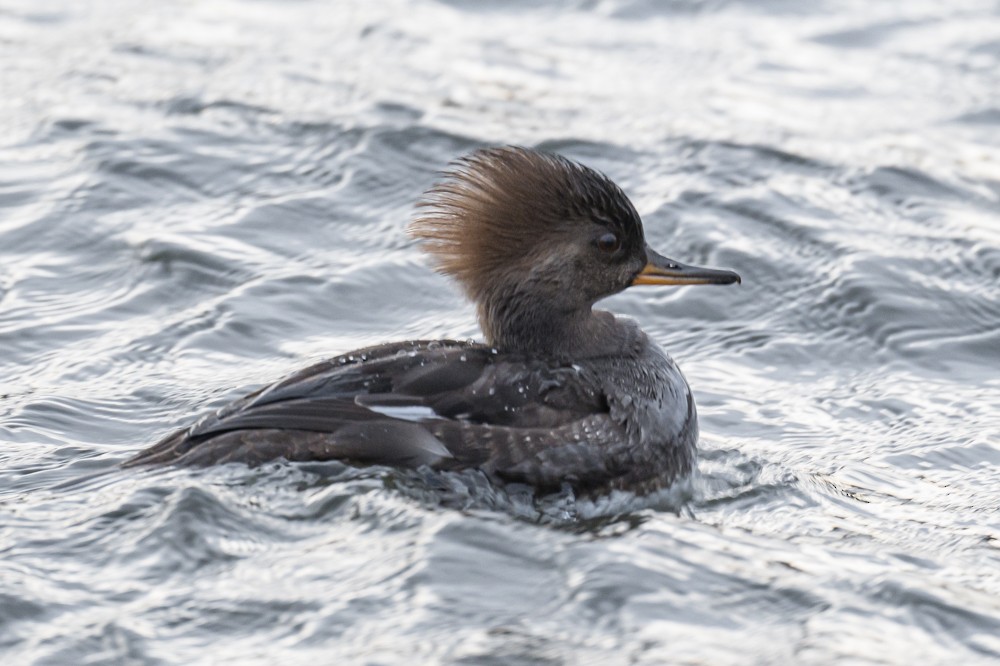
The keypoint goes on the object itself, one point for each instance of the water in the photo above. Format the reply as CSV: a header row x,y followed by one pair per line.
x,y
198,198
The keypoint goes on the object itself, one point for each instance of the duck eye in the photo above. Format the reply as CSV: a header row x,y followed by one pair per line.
x,y
608,242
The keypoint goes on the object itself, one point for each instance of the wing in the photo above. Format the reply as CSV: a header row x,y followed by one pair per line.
x,y
445,404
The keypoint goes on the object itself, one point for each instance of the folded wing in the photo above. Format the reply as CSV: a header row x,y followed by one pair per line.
x,y
443,404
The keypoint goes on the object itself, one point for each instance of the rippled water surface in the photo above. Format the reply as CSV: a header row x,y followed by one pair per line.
x,y
199,197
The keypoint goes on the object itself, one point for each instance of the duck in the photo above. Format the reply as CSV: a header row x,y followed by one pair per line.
x,y
558,393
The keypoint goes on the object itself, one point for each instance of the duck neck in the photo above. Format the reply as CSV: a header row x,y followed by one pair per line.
x,y
516,320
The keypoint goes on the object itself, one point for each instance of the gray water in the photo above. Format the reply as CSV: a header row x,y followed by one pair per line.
x,y
197,198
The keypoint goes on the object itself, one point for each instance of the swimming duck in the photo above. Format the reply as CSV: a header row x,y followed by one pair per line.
x,y
559,393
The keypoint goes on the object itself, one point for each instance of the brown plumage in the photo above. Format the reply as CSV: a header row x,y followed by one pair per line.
x,y
498,207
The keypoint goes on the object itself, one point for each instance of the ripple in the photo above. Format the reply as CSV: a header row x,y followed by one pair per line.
x,y
198,199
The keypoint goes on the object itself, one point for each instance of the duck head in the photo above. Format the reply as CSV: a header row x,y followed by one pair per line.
x,y
535,240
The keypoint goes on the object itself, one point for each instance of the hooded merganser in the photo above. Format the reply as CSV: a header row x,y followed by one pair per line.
x,y
559,393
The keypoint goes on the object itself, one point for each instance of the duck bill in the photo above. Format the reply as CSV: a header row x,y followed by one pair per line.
x,y
660,270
